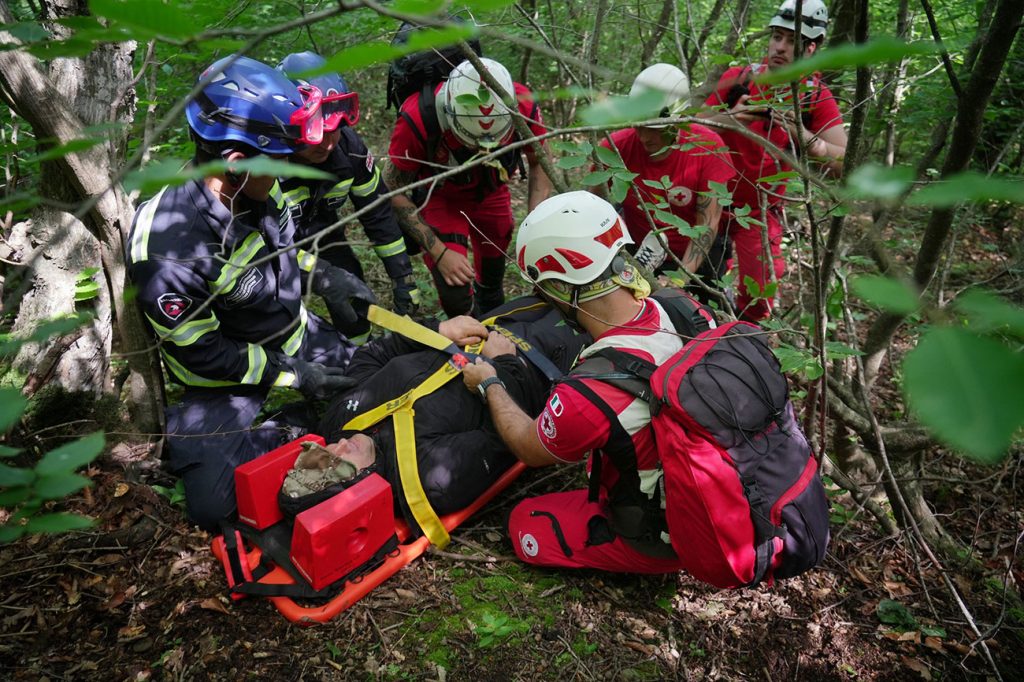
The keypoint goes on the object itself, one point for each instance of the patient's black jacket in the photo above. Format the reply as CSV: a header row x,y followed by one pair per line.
x,y
458,449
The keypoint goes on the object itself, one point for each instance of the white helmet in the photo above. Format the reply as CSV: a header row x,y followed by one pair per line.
x,y
815,19
667,79
573,239
471,110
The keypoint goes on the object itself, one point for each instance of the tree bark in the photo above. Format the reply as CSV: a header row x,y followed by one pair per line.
x,y
94,88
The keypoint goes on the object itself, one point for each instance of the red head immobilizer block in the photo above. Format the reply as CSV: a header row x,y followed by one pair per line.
x,y
342,533
257,483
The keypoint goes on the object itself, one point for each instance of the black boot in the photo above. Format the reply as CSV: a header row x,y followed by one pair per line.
x,y
490,292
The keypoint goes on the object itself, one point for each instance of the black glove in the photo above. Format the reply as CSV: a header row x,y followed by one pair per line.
x,y
337,287
319,381
406,295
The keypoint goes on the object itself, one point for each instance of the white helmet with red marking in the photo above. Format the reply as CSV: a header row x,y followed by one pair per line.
x,y
571,240
474,113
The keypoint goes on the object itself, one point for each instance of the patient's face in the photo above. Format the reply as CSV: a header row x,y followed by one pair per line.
x,y
359,449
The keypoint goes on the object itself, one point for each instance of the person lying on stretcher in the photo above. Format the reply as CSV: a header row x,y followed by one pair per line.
x,y
458,451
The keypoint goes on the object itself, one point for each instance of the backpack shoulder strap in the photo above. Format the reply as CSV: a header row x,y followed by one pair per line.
x,y
619,447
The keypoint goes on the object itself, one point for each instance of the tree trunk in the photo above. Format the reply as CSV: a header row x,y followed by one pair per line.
x,y
79,92
737,27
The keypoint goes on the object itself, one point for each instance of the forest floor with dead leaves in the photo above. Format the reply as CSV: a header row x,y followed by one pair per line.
x,y
141,597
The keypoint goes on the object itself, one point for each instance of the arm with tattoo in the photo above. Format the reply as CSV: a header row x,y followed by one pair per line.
x,y
407,213
708,215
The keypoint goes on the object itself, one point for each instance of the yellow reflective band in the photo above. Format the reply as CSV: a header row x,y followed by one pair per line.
x,y
340,190
369,187
294,342
286,380
185,334
143,226
277,195
297,195
237,263
307,261
188,378
257,365
393,249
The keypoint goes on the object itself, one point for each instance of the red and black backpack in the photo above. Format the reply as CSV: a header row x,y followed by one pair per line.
x,y
740,498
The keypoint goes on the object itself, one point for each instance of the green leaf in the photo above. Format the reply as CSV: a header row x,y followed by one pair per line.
x,y
423,8
15,476
881,50
791,359
619,190
570,162
615,110
57,523
59,326
969,186
268,167
27,31
874,181
70,456
779,177
609,157
20,202
377,52
14,496
596,178
57,486
835,349
989,312
487,5
54,49
7,452
149,17
468,99
966,389
11,533
892,612
171,173
12,405
888,294
60,151
86,291
932,631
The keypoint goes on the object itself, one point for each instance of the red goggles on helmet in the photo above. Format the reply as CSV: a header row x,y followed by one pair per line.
x,y
323,113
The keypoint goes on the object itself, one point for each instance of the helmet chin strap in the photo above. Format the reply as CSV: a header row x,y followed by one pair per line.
x,y
571,316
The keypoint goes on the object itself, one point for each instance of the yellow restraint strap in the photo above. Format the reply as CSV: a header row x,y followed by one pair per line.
x,y
401,411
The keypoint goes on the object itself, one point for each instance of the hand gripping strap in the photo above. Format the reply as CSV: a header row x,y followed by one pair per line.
x,y
531,353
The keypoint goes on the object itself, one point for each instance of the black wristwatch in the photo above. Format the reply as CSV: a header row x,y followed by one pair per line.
x,y
489,381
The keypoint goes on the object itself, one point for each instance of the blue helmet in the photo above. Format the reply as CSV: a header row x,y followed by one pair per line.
x,y
248,102
340,103
327,83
